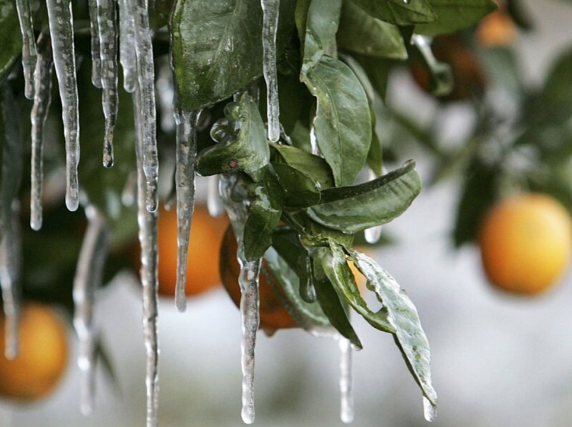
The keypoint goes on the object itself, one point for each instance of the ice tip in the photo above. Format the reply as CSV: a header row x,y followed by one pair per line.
x,y
180,300
247,415
429,410
36,224
72,202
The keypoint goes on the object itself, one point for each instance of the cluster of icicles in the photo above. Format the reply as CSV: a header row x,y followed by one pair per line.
x,y
120,30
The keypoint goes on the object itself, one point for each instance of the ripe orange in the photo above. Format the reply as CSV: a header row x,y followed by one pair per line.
x,y
203,255
43,354
526,243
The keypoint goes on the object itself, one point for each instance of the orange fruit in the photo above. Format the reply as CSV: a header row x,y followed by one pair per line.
x,y
43,355
496,29
202,257
525,243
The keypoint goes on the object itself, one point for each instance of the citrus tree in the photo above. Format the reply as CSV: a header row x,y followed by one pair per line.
x,y
280,103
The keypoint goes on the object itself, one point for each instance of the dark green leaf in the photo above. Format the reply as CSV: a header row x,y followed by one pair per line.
x,y
338,271
217,47
10,36
300,190
317,22
249,153
315,234
455,15
313,166
330,301
364,34
399,12
377,70
262,220
353,209
403,316
342,124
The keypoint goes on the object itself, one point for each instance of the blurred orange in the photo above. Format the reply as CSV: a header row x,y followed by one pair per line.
x,y
526,243
203,254
496,29
43,355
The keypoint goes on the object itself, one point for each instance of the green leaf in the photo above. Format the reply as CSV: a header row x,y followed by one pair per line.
x,y
342,124
249,153
310,316
399,12
403,316
317,23
377,70
10,36
353,209
364,34
313,234
313,166
341,276
330,301
455,15
216,47
301,191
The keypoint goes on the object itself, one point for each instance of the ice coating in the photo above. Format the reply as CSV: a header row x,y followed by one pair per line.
x,y
95,48
146,86
127,55
249,302
373,234
271,9
28,45
185,188
88,277
60,20
42,99
147,222
11,281
108,41
346,380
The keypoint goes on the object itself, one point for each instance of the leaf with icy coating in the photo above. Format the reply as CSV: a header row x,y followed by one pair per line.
x,y
401,314
61,30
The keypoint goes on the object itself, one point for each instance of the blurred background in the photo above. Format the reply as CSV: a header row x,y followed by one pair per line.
x,y
498,359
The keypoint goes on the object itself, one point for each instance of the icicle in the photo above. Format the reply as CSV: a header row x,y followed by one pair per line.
x,y
61,29
185,187
42,99
270,9
95,47
107,23
347,404
87,279
28,45
166,94
249,302
429,410
128,195
149,258
214,203
10,279
146,86
127,54
373,234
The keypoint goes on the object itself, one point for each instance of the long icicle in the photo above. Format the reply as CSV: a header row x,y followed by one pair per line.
x,y
146,86
95,48
346,379
249,301
61,30
42,99
271,9
88,277
127,55
11,281
10,268
149,259
28,45
185,188
108,39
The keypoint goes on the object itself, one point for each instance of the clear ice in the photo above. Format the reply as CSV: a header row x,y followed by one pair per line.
x,y
127,55
28,45
346,386
271,9
373,234
95,48
60,20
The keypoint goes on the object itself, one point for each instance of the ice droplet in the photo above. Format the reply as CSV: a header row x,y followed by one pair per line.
x,y
95,49
60,20
186,153
88,277
271,9
147,222
107,24
28,45
11,280
42,99
346,380
429,410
